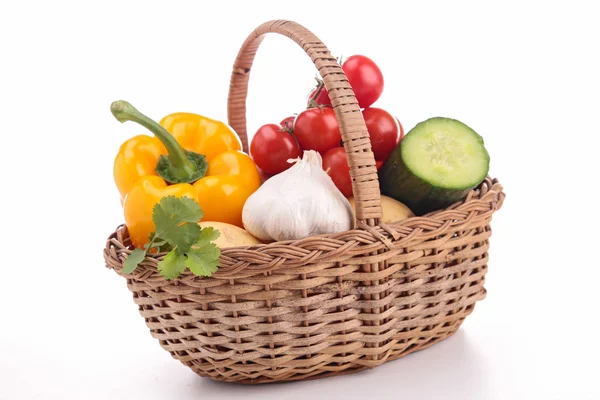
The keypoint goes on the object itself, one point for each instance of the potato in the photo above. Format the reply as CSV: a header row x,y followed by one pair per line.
x,y
393,210
231,235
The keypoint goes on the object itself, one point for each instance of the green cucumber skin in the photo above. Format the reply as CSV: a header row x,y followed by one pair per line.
x,y
398,182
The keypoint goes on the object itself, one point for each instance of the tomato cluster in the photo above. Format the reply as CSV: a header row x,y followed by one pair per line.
x,y
316,128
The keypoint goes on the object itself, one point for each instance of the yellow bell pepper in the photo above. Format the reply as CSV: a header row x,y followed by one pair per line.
x,y
190,155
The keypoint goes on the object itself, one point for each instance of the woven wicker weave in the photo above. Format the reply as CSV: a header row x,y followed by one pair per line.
x,y
323,305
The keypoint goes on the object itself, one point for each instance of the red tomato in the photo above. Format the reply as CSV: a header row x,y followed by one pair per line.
x,y
383,131
366,79
401,135
378,164
288,123
271,148
317,129
322,98
335,161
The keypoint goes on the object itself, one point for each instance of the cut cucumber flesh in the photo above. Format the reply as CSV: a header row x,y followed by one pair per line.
x,y
446,153
438,162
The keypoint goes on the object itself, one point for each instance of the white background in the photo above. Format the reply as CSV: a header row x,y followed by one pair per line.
x,y
524,75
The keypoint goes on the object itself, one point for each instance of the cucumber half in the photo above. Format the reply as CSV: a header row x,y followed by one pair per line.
x,y
438,162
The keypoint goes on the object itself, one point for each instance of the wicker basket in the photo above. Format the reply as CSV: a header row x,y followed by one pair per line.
x,y
323,305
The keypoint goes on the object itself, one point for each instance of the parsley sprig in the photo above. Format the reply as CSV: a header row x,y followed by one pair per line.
x,y
177,231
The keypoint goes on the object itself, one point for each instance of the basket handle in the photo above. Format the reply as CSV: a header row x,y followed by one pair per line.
x,y
355,136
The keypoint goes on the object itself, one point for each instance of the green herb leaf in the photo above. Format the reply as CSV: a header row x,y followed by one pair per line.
x,y
133,260
208,234
177,231
176,221
185,236
171,212
172,265
160,245
203,260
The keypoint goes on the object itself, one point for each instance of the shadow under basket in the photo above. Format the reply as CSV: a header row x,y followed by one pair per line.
x,y
329,304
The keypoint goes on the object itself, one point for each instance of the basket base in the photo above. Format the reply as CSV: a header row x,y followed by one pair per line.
x,y
422,343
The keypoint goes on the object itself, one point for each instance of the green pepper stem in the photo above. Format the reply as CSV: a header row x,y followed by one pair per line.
x,y
123,111
179,166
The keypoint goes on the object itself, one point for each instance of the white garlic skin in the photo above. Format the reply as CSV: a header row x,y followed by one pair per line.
x,y
301,201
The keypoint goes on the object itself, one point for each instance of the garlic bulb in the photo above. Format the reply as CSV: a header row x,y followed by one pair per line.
x,y
299,202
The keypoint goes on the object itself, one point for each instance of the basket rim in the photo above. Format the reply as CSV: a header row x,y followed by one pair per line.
x,y
488,197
